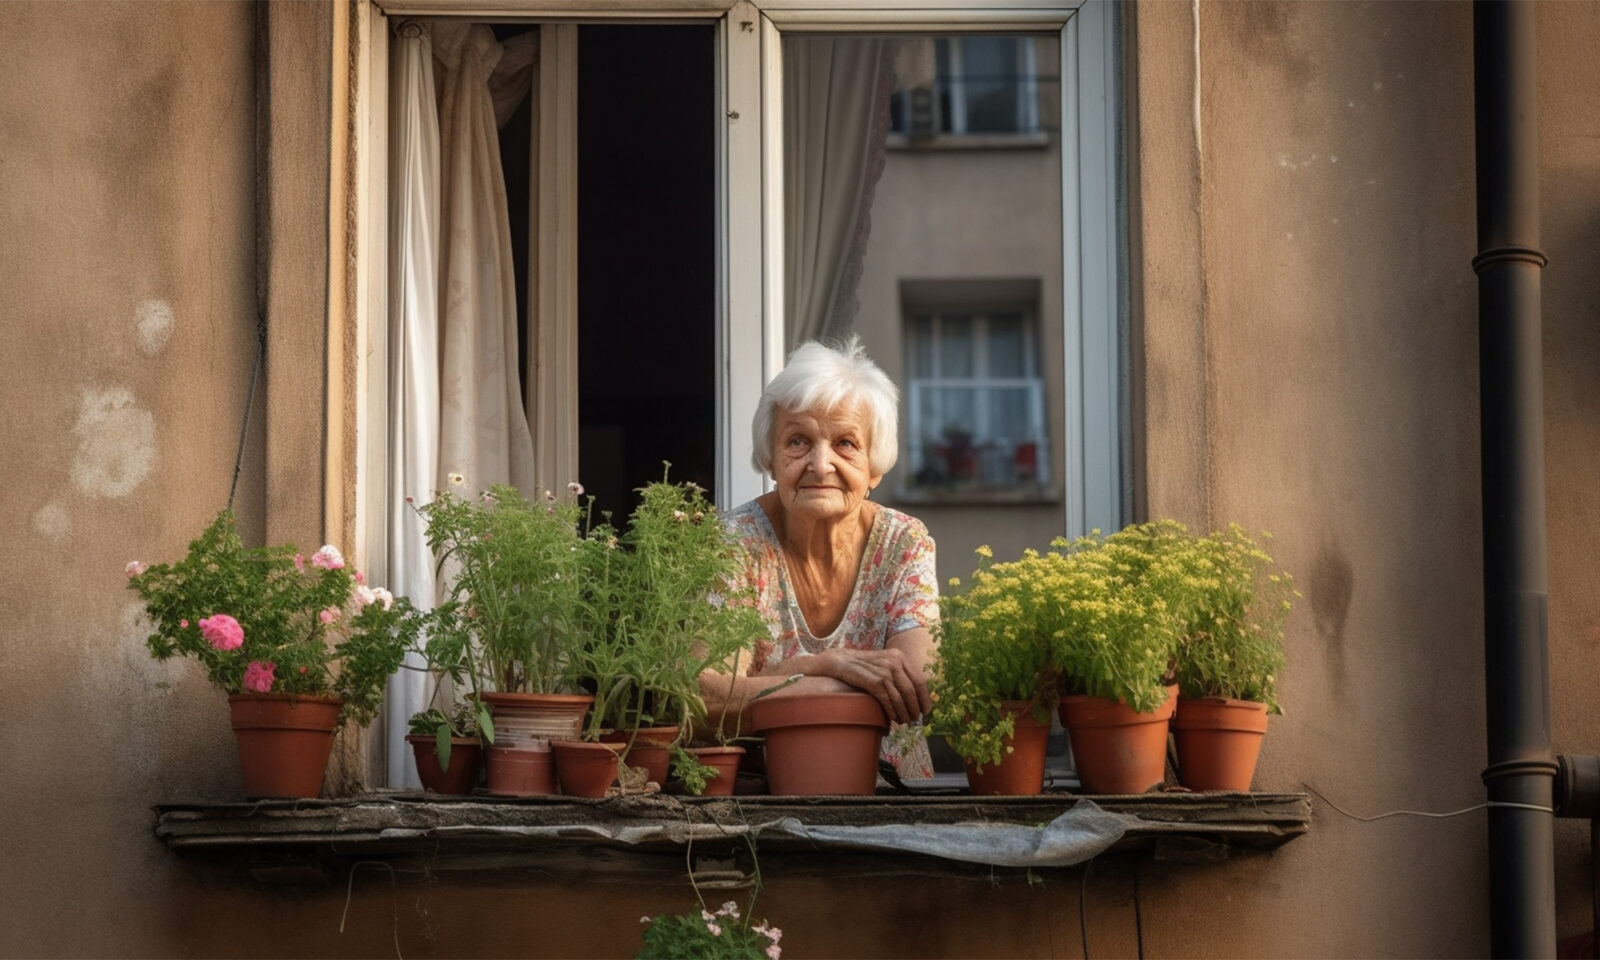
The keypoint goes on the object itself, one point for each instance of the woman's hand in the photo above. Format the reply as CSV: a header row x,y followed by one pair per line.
x,y
894,675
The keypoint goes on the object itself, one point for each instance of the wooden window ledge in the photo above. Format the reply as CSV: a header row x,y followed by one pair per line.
x,y
296,840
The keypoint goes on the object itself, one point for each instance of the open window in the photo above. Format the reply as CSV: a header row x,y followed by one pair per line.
x,y
696,186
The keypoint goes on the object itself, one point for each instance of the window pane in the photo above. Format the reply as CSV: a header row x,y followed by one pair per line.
x,y
1007,352
947,276
955,346
991,79
921,362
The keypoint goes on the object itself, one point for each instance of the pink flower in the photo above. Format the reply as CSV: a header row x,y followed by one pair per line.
x,y
328,558
258,676
364,595
359,577
576,488
774,951
184,623
300,563
382,596
135,567
222,632
328,615
716,931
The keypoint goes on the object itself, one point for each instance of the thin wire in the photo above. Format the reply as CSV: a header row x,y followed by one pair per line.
x,y
1083,914
250,400
394,893
1138,916
1424,813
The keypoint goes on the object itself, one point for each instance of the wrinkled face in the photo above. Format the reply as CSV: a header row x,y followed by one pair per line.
x,y
821,464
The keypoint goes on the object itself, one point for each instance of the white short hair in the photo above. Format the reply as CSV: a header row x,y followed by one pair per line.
x,y
819,378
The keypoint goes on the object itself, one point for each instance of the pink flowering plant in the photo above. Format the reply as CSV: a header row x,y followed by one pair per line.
x,y
709,935
272,620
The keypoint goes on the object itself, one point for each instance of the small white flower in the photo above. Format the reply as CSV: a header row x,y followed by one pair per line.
x,y
380,595
135,567
549,496
365,595
457,480
328,558
576,488
679,516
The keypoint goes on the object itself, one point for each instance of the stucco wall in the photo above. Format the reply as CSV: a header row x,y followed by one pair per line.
x,y
1308,325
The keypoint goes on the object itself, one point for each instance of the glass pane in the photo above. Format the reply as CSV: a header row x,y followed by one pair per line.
x,y
1007,352
955,346
991,80
921,333
950,236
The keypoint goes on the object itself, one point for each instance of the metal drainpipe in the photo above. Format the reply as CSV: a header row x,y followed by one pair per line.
x,y
1521,769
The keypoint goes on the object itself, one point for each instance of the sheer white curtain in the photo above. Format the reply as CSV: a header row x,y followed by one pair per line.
x,y
414,357
835,122
483,424
456,405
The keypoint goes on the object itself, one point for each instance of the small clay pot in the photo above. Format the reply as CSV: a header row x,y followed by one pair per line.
x,y
585,769
1020,772
525,717
823,744
462,775
651,748
520,770
1218,742
1117,750
726,760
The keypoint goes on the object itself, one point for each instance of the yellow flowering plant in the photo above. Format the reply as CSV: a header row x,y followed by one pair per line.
x,y
992,648
1233,604
1111,612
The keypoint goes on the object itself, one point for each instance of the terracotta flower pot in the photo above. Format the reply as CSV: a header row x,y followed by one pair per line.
x,y
585,769
1020,771
284,741
1218,742
520,770
822,744
726,760
462,775
524,717
651,749
1117,750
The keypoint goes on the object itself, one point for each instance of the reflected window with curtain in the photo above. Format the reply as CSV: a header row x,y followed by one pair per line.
x,y
922,202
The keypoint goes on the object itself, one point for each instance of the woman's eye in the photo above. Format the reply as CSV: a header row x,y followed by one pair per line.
x,y
796,441
847,443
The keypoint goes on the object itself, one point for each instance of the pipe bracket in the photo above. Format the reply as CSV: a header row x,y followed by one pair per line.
x,y
1519,768
1495,255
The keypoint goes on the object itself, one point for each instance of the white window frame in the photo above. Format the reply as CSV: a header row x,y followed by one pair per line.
x,y
750,240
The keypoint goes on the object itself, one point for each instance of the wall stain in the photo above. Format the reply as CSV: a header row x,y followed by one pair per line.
x,y
116,443
154,325
1329,590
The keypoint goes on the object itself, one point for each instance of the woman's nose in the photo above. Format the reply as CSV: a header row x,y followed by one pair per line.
x,y
821,458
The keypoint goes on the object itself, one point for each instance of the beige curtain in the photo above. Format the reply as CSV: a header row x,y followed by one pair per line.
x,y
456,390
414,358
835,121
483,425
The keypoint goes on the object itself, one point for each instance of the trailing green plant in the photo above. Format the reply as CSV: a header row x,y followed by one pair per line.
x,y
993,647
1234,602
663,610
270,620
515,614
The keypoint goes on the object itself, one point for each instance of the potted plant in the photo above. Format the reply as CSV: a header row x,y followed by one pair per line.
x,y
510,624
1230,652
662,592
447,748
300,645
994,681
709,935
659,614
1114,637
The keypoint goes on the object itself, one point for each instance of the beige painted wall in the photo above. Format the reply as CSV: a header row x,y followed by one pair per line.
x,y
1309,339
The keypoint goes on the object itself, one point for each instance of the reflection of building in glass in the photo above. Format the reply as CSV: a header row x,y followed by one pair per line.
x,y
961,290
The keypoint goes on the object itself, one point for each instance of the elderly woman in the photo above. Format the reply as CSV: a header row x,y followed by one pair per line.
x,y
847,586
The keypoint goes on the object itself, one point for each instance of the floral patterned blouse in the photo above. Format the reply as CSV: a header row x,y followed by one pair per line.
x,y
896,590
